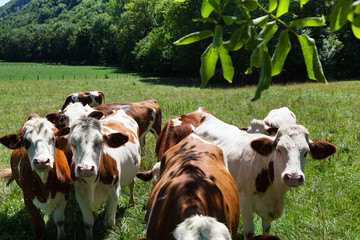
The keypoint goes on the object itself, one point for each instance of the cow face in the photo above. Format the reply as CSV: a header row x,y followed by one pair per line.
x,y
290,150
87,140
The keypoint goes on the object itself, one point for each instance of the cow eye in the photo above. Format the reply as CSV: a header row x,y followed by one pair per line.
x,y
26,143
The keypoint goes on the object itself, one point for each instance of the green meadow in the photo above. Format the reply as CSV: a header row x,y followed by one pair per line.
x,y
327,206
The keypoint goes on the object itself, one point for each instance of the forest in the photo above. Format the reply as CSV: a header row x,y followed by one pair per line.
x,y
139,35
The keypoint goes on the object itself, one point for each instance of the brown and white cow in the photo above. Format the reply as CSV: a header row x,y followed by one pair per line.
x,y
264,167
42,172
195,196
147,114
92,99
106,157
276,118
173,132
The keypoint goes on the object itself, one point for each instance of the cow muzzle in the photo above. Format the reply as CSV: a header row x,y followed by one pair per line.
x,y
86,171
293,180
41,164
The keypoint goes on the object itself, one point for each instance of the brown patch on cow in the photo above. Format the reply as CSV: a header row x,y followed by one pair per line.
x,y
108,172
120,127
84,98
320,150
263,146
265,178
145,176
272,130
68,100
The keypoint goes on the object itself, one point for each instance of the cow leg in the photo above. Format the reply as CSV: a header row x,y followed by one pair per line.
x,y
131,188
111,205
247,213
36,218
88,219
266,227
142,140
59,219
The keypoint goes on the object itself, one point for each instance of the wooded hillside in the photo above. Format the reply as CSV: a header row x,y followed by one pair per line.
x,y
139,35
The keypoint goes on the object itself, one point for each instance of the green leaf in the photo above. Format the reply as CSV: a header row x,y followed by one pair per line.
x,y
268,31
355,26
256,57
338,16
311,57
194,37
235,42
309,22
229,19
226,64
206,9
205,20
282,49
253,42
272,5
261,21
303,2
208,64
356,7
251,5
218,39
265,76
283,7
215,5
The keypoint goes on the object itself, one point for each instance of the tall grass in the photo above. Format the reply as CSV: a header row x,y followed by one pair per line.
x,y
326,207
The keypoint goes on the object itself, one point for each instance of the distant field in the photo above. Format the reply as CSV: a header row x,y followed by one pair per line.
x,y
326,207
44,71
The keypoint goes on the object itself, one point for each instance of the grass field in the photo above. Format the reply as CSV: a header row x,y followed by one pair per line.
x,y
327,206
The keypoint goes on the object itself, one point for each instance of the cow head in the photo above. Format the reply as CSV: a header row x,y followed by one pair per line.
x,y
38,136
87,139
290,148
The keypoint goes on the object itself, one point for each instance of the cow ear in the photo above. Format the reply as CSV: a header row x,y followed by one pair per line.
x,y
55,118
63,131
272,130
321,150
145,176
263,146
115,140
11,141
96,114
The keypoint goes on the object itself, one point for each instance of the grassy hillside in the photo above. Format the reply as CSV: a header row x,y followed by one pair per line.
x,y
325,207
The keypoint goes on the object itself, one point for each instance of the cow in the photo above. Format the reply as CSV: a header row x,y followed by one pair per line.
x,y
275,119
195,195
173,132
147,114
41,171
92,99
106,157
264,167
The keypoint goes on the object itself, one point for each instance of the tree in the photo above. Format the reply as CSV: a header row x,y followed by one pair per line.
x,y
254,32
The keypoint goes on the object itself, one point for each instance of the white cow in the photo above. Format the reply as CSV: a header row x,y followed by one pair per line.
x,y
264,167
275,119
106,157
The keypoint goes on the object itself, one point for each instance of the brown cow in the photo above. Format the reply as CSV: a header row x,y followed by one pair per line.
x,y
42,172
195,195
173,132
147,114
92,99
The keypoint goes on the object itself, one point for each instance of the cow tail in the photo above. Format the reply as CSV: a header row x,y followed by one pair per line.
x,y
201,227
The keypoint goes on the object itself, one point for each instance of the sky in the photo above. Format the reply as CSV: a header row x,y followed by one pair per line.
x,y
2,2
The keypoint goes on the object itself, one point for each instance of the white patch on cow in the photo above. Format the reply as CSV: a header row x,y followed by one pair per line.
x,y
49,206
201,139
151,212
75,111
176,122
257,126
199,227
156,172
192,127
280,117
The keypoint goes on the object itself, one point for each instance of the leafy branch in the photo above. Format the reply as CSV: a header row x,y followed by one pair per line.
x,y
247,36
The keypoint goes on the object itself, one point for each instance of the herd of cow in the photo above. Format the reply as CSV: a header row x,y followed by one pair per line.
x,y
207,171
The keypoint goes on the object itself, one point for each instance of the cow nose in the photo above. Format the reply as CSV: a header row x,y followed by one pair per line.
x,y
86,171
293,180
41,163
